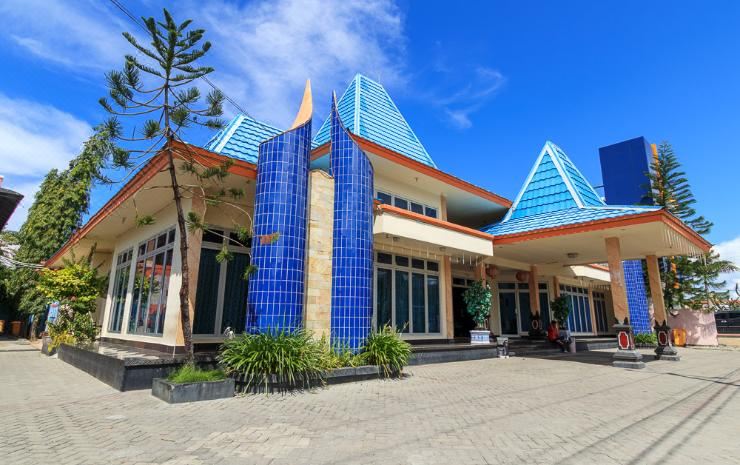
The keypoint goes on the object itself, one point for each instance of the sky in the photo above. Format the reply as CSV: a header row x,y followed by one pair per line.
x,y
483,84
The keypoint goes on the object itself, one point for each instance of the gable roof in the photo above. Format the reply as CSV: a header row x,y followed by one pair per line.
x,y
556,194
553,184
368,111
241,138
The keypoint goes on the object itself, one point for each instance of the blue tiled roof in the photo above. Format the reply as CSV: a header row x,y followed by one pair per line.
x,y
368,111
565,217
241,138
557,194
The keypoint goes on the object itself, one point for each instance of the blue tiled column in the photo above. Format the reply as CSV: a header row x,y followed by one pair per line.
x,y
636,297
352,261
276,289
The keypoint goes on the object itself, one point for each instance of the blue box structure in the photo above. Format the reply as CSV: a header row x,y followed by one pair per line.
x,y
624,170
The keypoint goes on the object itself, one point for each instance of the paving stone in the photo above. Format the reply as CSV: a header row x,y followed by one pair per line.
x,y
521,410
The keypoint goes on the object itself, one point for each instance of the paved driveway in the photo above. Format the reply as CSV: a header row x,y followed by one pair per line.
x,y
520,410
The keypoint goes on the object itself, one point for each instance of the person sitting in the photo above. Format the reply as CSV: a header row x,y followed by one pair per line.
x,y
564,339
552,332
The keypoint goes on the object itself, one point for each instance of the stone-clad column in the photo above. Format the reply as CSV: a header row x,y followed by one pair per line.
x,y
317,314
626,355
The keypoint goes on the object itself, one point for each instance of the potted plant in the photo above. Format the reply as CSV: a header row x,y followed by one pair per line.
x,y
478,301
560,310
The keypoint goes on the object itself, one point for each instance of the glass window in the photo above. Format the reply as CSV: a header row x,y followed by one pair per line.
x,y
417,208
418,302
385,198
385,258
433,303
458,281
120,289
222,290
401,203
507,285
214,236
409,301
384,294
151,280
402,300
431,212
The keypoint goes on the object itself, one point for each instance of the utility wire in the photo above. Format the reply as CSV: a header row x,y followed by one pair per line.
x,y
127,12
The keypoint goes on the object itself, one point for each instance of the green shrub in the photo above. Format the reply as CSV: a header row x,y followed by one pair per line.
x,y
560,310
478,303
385,348
189,373
646,338
295,359
75,329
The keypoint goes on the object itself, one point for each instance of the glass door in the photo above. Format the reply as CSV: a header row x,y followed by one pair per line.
x,y
508,309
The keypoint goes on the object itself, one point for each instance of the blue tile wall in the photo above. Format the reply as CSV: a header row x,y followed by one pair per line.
x,y
636,296
276,289
352,260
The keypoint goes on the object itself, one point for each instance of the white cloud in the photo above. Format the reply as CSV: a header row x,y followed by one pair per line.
x,y
82,35
460,104
267,49
35,138
730,250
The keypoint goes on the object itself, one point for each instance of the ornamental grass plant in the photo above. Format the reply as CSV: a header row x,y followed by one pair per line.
x,y
275,359
189,373
386,349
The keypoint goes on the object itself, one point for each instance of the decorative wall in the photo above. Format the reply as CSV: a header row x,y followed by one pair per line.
x,y
637,297
276,289
352,261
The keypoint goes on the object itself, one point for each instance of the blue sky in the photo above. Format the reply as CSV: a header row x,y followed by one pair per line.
x,y
483,84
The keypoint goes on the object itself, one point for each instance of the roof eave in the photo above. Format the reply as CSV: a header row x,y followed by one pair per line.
x,y
156,164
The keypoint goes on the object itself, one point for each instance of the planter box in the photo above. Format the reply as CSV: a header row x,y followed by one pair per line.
x,y
192,392
480,336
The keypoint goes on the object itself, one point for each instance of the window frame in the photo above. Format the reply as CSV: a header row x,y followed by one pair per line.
x,y
121,271
171,238
222,275
425,208
426,272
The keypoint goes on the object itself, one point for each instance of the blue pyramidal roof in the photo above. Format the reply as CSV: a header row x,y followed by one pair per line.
x,y
368,111
241,138
557,194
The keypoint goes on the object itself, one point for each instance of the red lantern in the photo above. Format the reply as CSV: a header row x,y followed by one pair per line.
x,y
522,276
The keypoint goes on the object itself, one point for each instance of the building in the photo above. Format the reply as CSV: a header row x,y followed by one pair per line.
x,y
369,232
624,171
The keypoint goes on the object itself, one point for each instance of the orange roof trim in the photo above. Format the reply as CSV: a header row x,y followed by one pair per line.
x,y
157,164
369,146
607,223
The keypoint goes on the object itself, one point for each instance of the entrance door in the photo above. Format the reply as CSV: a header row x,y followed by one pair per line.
x,y
462,319
507,311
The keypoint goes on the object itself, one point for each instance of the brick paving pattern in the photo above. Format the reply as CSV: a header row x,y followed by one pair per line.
x,y
521,410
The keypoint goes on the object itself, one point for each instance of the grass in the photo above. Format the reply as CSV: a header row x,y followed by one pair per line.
x,y
190,373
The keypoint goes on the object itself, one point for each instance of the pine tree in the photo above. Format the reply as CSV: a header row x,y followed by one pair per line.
x,y
158,86
689,281
56,213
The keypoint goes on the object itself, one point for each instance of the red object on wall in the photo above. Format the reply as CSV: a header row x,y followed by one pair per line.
x,y
522,276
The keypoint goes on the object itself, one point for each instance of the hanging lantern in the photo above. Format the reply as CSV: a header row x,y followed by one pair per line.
x,y
522,276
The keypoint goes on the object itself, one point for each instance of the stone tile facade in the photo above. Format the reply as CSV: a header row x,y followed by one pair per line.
x,y
317,314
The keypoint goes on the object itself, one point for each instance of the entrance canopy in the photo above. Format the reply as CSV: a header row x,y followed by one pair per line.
x,y
558,218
